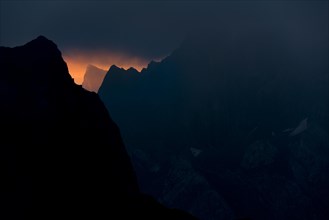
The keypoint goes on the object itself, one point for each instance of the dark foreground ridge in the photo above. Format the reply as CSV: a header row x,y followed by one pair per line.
x,y
62,157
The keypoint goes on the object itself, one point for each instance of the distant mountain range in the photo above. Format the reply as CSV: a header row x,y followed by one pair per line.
x,y
93,78
229,126
61,155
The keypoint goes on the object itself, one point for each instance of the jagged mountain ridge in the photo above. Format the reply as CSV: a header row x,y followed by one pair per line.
x,y
62,156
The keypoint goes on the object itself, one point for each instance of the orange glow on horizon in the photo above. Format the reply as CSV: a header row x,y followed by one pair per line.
x,y
76,69
77,62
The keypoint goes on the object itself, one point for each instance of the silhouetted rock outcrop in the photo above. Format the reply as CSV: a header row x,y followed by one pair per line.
x,y
62,157
93,78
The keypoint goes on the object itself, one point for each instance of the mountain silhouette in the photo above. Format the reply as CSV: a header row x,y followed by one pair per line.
x,y
93,78
62,156
232,120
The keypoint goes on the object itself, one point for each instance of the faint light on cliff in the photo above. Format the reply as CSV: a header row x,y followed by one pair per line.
x,y
78,60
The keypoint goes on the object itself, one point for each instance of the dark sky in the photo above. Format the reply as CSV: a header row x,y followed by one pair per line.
x,y
138,31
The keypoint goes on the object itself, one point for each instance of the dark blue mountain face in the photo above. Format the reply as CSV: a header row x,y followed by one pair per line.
x,y
61,155
230,126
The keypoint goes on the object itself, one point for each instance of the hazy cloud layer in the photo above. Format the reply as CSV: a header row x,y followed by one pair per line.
x,y
133,33
150,29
